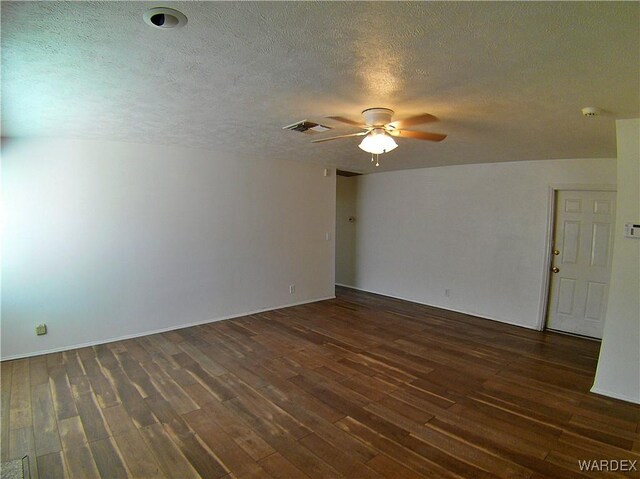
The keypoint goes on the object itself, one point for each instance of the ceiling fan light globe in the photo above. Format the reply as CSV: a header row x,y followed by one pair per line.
x,y
378,144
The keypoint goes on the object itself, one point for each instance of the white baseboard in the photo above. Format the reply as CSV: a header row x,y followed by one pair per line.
x,y
622,397
156,331
534,328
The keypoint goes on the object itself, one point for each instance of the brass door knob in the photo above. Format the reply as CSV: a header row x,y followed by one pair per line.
x,y
556,252
555,269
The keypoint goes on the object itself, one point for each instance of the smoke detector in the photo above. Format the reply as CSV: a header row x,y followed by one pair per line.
x,y
591,111
164,18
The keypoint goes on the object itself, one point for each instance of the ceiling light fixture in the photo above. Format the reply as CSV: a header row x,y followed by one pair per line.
x,y
379,130
378,142
164,18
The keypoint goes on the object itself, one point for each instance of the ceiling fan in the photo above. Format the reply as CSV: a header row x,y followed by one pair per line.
x,y
379,130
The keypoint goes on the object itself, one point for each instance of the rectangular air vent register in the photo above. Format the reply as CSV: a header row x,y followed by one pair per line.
x,y
307,127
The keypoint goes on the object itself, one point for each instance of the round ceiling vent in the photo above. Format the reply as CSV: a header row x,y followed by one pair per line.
x,y
164,18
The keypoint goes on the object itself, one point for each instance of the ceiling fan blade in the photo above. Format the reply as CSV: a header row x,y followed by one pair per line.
x,y
342,119
418,135
340,136
414,120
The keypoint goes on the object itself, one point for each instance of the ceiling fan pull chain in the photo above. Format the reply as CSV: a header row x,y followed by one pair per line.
x,y
377,160
371,157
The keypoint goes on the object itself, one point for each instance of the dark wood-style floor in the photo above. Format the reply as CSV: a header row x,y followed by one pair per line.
x,y
361,386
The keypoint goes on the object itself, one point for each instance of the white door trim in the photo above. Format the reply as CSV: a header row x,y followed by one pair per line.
x,y
551,213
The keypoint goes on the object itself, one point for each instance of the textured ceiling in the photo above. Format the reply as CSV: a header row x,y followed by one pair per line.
x,y
506,79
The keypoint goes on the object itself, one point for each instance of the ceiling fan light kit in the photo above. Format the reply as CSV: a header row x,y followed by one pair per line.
x,y
378,142
378,130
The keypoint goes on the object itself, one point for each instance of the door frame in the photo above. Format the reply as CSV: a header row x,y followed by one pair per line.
x,y
551,218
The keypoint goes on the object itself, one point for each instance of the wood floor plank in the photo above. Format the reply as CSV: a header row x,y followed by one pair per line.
x,y
169,457
296,406
230,454
107,459
285,444
20,400
204,361
129,395
71,433
38,371
391,469
105,395
214,384
138,457
106,357
204,461
80,463
410,412
406,456
180,400
51,466
80,385
92,419
61,392
342,461
239,430
102,388
471,453
6,370
491,437
161,342
44,420
199,394
72,364
21,442
286,394
118,420
279,468
53,360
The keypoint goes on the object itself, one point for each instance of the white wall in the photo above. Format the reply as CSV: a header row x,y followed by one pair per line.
x,y
477,230
345,230
618,373
104,240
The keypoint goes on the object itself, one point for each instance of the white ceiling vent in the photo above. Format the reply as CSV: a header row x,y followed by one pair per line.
x,y
164,18
308,127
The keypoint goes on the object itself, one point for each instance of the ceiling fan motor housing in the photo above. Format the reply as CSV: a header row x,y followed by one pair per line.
x,y
377,116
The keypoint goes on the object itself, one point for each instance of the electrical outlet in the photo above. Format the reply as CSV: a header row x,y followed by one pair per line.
x,y
292,288
447,292
41,329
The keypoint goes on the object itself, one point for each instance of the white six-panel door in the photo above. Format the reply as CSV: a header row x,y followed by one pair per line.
x,y
581,261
